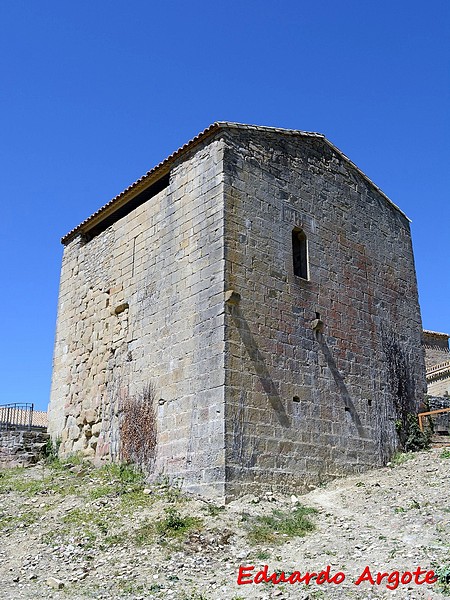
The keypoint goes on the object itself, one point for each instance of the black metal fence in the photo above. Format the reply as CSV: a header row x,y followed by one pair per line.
x,y
16,416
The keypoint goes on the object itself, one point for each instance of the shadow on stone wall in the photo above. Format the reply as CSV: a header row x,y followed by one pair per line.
x,y
259,365
348,402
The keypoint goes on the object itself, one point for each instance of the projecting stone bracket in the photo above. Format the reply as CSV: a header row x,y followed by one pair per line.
x,y
119,309
317,325
232,297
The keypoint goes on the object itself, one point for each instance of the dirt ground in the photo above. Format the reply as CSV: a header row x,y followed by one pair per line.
x,y
70,531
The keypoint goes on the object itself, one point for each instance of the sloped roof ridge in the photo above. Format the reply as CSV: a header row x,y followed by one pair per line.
x,y
235,125
436,333
163,165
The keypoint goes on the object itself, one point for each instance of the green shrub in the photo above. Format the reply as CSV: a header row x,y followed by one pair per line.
x,y
416,439
443,575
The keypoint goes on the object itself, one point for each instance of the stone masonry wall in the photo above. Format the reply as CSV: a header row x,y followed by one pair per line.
x,y
21,448
142,303
303,405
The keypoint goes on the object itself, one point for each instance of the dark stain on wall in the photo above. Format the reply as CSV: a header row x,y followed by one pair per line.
x,y
401,382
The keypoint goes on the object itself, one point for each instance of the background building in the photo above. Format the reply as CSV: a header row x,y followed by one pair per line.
x,y
437,361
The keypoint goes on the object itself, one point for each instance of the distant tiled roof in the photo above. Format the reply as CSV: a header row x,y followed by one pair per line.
x,y
39,418
163,167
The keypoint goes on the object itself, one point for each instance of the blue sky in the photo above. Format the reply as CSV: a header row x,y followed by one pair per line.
x,y
93,94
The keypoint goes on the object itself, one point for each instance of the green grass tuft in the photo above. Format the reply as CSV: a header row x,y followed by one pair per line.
x,y
174,524
278,526
400,458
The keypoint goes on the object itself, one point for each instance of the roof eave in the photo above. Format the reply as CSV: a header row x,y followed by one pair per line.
x,y
163,167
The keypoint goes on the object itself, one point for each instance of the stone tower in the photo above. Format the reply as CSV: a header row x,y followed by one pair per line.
x,y
265,288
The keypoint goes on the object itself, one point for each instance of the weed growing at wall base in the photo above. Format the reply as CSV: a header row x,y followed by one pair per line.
x,y
400,458
51,450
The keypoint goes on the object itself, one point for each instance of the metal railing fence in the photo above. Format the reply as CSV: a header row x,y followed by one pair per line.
x,y
16,416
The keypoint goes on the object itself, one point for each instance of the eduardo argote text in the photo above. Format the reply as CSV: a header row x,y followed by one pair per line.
x,y
391,580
